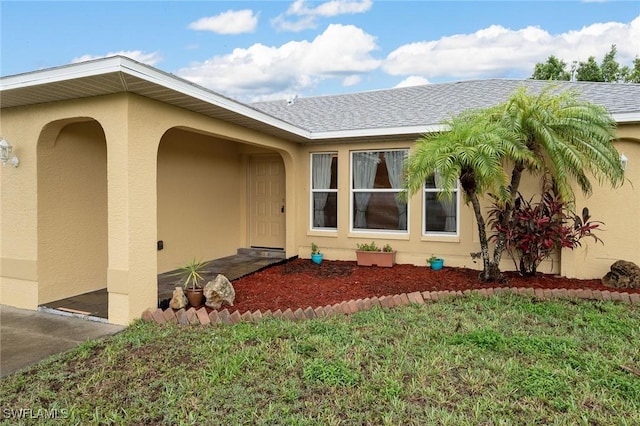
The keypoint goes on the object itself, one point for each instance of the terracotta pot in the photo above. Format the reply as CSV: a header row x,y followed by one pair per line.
x,y
195,296
385,259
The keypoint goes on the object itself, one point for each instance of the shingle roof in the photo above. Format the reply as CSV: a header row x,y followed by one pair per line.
x,y
430,104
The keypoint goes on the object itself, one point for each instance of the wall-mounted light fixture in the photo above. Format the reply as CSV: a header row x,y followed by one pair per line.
x,y
623,161
5,153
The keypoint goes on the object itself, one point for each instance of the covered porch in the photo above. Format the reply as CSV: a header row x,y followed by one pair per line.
x,y
95,304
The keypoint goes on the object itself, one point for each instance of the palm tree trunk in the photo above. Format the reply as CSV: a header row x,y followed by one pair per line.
x,y
516,176
490,270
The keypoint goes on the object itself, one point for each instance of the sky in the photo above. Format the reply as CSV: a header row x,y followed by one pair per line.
x,y
266,50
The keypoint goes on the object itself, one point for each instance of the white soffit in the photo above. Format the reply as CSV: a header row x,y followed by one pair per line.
x,y
88,75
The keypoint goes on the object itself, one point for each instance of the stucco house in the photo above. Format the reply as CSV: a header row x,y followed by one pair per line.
x,y
115,156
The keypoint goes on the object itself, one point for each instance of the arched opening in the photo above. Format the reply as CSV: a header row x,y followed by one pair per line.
x,y
203,199
72,211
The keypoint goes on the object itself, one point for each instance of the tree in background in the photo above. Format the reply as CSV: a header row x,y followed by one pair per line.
x,y
631,75
589,71
609,70
553,69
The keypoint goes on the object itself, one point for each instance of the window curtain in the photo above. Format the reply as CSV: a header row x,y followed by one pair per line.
x,y
449,207
321,180
395,163
365,166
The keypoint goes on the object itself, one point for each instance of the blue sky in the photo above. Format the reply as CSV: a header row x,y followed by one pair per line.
x,y
276,49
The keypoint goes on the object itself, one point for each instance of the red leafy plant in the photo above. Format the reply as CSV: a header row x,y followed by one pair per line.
x,y
536,230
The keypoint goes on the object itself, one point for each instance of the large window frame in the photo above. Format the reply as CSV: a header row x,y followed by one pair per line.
x,y
321,191
448,211
394,170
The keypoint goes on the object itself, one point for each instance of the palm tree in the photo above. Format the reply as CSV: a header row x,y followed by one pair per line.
x,y
554,134
471,151
568,138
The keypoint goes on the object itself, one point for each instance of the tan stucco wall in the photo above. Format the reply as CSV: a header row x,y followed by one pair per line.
x,y
143,177
200,193
622,236
619,210
72,212
412,247
133,128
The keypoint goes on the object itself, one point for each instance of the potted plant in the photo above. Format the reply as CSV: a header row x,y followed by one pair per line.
x,y
370,255
191,278
436,263
316,255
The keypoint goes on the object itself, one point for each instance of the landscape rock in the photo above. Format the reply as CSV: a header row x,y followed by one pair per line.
x,y
623,274
179,299
219,291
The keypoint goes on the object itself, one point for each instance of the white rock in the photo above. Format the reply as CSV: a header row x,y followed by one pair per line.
x,y
219,291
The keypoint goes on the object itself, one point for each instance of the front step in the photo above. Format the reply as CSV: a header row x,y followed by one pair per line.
x,y
263,252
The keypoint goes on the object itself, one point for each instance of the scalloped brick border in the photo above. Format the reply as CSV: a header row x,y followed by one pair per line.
x,y
200,316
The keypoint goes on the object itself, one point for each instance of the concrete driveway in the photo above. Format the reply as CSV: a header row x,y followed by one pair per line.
x,y
27,337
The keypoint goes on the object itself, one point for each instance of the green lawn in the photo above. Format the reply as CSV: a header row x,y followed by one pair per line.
x,y
502,360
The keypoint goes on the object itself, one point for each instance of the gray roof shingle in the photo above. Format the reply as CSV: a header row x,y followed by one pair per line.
x,y
430,104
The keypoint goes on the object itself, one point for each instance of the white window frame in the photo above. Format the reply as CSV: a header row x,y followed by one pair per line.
x,y
313,191
352,191
455,196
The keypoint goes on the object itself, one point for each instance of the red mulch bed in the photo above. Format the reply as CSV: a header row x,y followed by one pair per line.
x,y
301,283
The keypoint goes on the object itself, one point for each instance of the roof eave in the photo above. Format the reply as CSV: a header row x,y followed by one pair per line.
x,y
627,117
128,66
386,131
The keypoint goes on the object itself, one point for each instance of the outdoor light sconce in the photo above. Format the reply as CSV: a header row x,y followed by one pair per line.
x,y
5,153
623,161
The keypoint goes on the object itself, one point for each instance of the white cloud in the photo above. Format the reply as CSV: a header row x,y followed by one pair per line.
x,y
351,80
501,52
308,15
413,80
263,71
146,58
280,23
229,22
330,8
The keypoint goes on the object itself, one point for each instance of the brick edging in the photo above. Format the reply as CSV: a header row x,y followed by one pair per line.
x,y
201,317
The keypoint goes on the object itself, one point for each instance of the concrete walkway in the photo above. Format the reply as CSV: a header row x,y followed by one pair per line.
x,y
247,261
28,337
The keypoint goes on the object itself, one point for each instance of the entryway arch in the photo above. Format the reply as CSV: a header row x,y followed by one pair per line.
x,y
204,195
72,209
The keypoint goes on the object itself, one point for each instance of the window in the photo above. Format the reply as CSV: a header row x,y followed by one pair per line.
x,y
376,191
440,215
324,191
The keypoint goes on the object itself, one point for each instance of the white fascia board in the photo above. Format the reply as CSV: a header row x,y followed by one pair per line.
x,y
128,66
65,72
387,131
188,88
627,117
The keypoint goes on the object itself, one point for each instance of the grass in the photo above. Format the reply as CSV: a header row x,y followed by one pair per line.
x,y
495,361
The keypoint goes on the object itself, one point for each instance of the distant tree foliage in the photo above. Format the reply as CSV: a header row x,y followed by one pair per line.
x,y
553,69
632,75
609,70
589,71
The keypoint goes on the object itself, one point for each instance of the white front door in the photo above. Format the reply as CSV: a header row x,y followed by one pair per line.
x,y
267,203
